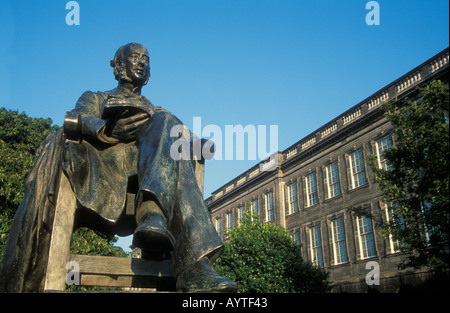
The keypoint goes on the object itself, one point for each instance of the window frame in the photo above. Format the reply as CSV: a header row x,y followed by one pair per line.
x,y
296,236
353,165
252,206
292,197
364,247
229,220
309,194
331,187
241,210
219,226
269,210
337,248
316,251
381,161
394,245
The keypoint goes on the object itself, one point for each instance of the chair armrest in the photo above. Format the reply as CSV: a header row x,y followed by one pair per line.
x,y
72,125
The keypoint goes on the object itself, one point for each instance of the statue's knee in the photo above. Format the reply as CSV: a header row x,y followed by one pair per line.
x,y
166,117
160,125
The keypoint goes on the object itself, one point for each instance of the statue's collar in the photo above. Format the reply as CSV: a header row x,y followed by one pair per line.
x,y
126,94
123,92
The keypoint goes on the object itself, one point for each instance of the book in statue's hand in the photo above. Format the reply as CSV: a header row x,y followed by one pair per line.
x,y
115,106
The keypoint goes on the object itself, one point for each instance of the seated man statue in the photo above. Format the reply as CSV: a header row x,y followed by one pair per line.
x,y
122,148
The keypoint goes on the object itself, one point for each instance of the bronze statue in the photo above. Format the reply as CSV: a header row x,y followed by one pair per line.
x,y
120,157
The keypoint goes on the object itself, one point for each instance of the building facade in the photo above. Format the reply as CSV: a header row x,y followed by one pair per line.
x,y
320,176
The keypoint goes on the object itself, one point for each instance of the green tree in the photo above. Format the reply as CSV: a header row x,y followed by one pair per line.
x,y
17,128
415,183
15,160
20,136
262,257
85,241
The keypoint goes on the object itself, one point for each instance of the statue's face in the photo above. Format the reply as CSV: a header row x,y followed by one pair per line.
x,y
136,65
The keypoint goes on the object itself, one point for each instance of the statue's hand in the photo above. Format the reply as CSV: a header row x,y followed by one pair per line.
x,y
124,128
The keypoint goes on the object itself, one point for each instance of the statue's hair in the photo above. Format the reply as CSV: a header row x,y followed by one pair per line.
x,y
117,63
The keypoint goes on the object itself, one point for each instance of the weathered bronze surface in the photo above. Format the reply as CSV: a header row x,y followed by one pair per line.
x,y
118,162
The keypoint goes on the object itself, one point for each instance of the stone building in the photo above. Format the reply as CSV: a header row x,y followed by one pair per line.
x,y
321,175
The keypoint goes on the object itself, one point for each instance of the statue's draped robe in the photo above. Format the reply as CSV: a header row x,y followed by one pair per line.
x,y
26,252
99,169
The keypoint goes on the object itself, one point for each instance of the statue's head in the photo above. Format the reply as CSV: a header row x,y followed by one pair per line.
x,y
131,63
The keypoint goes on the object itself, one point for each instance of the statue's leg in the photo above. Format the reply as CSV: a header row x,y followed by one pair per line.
x,y
194,231
197,242
157,180
157,172
174,185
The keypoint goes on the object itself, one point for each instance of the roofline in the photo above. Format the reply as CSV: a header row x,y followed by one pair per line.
x,y
422,73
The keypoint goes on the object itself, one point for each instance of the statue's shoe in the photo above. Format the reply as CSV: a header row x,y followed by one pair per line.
x,y
152,234
201,277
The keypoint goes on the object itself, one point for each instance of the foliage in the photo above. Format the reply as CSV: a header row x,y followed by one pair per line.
x,y
88,242
415,185
262,257
18,128
20,136
15,160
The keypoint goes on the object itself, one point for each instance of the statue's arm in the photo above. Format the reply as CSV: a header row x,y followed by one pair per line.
x,y
85,122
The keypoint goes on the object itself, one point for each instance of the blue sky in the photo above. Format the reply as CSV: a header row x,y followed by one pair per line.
x,y
295,64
